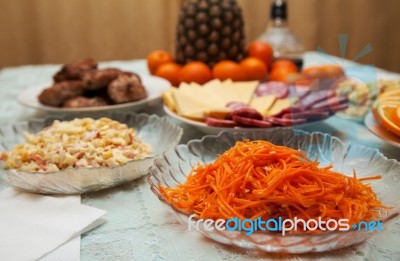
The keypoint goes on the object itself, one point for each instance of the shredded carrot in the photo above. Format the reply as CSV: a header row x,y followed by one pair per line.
x,y
259,179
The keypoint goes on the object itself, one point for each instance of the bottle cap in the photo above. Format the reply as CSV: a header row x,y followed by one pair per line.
x,y
278,10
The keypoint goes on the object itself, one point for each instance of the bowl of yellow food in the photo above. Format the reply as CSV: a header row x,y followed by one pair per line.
x,y
67,155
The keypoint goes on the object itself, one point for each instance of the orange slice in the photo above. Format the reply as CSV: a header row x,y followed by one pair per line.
x,y
397,115
390,93
388,115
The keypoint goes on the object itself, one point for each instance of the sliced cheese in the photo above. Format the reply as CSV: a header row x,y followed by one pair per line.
x,y
216,83
186,104
168,100
229,93
227,82
219,113
281,104
278,106
195,116
185,85
197,91
192,107
293,100
197,102
214,91
263,104
245,90
194,84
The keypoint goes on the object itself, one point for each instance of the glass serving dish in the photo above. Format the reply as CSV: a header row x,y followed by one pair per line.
x,y
153,130
173,167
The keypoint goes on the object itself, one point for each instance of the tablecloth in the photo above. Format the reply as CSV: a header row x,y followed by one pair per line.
x,y
139,228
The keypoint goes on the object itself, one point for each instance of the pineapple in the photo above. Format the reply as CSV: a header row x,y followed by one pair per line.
x,y
210,31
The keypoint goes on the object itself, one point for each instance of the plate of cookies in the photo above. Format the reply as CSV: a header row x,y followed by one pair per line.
x,y
82,86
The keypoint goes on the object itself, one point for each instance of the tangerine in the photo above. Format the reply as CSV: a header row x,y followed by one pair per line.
x,y
254,68
170,72
228,70
281,74
197,72
157,58
262,51
284,63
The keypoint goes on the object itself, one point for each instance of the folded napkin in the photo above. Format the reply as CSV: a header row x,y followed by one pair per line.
x,y
32,226
70,251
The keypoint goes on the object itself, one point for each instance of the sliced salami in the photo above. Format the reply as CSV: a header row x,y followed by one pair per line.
x,y
247,113
333,101
248,122
287,110
300,91
309,115
286,122
315,97
339,107
278,89
220,123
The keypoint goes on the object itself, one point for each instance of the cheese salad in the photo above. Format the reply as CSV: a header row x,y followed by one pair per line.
x,y
77,143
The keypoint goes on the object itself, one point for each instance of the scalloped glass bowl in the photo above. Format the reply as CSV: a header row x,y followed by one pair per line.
x,y
175,165
156,131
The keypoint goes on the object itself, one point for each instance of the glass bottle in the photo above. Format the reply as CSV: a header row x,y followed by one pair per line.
x,y
285,44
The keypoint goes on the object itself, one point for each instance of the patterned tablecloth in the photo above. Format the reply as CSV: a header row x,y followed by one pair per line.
x,y
138,227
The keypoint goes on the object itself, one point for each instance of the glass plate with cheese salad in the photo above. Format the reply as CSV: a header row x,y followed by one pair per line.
x,y
76,155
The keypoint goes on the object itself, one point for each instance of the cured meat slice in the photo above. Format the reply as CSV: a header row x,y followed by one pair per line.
x,y
339,107
279,89
309,115
285,122
333,101
247,113
315,97
300,91
242,121
220,123
287,110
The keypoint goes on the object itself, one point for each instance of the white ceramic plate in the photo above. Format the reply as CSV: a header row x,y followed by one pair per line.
x,y
154,86
374,127
209,130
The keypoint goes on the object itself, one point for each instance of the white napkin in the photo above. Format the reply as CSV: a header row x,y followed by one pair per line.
x,y
32,226
71,250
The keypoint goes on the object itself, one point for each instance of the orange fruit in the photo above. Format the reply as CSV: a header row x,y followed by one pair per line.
x,y
170,72
284,63
397,116
254,68
332,71
197,72
262,51
386,110
297,79
281,74
323,72
228,70
385,115
157,58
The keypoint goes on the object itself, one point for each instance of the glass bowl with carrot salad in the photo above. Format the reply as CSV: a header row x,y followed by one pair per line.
x,y
279,190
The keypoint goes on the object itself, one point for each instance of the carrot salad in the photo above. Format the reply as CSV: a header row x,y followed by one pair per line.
x,y
259,179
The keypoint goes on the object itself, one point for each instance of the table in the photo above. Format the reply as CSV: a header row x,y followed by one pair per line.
x,y
139,228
